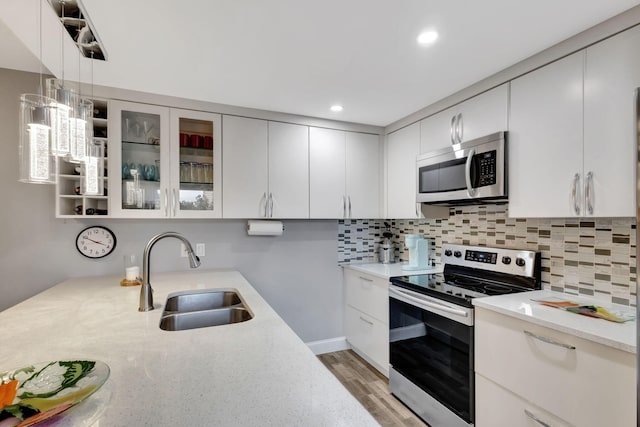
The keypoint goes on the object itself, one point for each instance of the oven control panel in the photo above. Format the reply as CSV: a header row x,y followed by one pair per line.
x,y
511,261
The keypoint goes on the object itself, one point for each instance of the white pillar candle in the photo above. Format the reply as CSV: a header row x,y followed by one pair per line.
x,y
132,273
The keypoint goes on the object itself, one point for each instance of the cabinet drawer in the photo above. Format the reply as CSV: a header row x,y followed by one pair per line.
x,y
368,337
589,384
368,294
498,407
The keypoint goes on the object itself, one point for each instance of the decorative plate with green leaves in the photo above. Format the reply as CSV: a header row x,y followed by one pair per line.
x,y
38,392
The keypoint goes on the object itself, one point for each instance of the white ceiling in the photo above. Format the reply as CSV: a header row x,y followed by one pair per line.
x,y
302,56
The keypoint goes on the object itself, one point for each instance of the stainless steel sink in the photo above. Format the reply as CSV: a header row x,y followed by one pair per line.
x,y
201,300
203,308
204,318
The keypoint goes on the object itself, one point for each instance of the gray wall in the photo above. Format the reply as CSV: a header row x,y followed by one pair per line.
x,y
296,273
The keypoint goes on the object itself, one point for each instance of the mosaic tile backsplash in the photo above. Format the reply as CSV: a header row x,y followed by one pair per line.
x,y
594,256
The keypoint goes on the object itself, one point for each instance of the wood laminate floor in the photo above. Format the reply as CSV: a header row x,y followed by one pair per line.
x,y
370,388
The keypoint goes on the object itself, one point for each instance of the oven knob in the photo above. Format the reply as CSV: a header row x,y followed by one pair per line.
x,y
520,262
506,260
447,252
457,254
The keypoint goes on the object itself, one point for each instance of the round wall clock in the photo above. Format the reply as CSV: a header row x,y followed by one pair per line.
x,y
96,242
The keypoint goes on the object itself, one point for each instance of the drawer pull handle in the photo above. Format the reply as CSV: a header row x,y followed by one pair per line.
x,y
366,321
365,279
536,419
549,340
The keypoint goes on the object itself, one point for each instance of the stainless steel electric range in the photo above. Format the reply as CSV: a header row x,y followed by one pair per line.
x,y
431,327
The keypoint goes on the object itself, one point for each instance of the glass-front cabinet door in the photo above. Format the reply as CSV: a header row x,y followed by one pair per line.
x,y
195,164
140,147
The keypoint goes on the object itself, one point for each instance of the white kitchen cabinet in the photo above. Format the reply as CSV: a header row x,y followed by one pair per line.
x,y
367,317
479,116
245,167
573,380
176,156
288,170
572,134
612,73
266,169
344,174
545,141
402,150
139,140
196,164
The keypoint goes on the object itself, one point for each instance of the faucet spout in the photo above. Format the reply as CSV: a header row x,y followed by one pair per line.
x,y
146,291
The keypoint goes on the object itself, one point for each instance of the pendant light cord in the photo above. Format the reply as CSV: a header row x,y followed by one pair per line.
x,y
62,39
40,91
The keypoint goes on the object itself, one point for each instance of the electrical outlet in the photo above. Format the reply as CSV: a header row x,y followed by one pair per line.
x,y
200,249
183,250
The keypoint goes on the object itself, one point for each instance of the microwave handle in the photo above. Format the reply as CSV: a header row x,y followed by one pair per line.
x,y
467,173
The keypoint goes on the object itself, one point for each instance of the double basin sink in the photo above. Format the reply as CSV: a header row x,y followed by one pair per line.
x,y
203,308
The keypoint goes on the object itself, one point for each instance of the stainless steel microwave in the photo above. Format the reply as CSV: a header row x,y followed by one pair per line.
x,y
470,172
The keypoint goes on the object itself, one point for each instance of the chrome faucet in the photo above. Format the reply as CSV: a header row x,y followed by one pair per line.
x,y
146,292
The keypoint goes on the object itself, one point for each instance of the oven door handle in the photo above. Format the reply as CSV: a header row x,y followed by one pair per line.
x,y
427,303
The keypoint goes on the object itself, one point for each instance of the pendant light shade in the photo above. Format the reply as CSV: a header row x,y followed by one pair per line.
x,y
37,164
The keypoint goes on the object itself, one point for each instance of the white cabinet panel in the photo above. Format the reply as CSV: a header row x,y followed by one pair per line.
x,y
368,337
367,293
498,407
344,174
479,116
245,167
402,150
612,73
545,140
577,380
327,162
288,170
363,175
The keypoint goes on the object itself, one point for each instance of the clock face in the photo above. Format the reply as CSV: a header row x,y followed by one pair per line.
x,y
96,242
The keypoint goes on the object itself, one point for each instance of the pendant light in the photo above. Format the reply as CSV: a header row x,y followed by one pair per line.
x,y
92,169
37,164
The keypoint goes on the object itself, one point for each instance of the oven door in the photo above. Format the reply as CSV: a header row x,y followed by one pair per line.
x,y
472,170
431,345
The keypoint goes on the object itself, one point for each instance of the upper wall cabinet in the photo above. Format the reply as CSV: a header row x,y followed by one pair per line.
x,y
402,150
164,163
266,169
481,115
571,136
245,176
612,73
344,170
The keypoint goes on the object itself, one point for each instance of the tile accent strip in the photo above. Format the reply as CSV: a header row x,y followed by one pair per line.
x,y
594,256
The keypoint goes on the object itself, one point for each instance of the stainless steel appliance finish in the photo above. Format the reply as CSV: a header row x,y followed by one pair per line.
x,y
431,327
470,172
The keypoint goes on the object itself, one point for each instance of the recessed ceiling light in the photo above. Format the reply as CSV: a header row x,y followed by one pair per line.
x,y
336,108
427,37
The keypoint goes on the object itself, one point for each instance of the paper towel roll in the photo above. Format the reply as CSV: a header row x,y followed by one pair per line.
x,y
264,228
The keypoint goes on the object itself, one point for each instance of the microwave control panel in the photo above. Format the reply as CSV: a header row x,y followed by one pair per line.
x,y
487,164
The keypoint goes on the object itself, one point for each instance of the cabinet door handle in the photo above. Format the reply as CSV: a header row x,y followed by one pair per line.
x,y
574,194
536,419
174,201
467,173
459,129
349,197
453,129
166,202
588,192
417,210
549,340
344,207
266,204
270,205
366,321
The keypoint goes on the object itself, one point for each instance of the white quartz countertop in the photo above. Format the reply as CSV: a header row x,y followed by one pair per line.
x,y
386,271
253,373
520,305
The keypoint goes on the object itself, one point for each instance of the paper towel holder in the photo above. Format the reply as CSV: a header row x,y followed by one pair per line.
x,y
264,228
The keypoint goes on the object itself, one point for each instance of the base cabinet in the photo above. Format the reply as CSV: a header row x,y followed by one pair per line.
x,y
367,317
572,379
